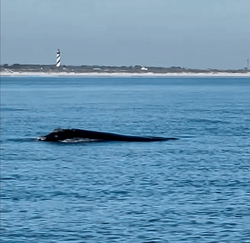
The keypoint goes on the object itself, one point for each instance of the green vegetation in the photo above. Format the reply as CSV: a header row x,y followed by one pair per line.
x,y
109,69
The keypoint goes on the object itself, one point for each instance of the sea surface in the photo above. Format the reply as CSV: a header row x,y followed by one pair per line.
x,y
194,189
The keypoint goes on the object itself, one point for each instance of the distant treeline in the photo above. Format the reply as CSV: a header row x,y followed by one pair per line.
x,y
110,69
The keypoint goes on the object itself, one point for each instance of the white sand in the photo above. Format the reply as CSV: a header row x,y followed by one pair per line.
x,y
72,74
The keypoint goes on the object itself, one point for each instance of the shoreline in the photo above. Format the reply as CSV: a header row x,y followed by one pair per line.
x,y
119,74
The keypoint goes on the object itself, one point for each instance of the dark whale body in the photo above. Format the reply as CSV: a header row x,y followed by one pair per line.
x,y
84,135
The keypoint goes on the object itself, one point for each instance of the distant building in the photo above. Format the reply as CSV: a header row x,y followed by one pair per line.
x,y
144,69
58,58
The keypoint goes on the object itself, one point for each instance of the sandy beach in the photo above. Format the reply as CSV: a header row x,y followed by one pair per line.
x,y
98,74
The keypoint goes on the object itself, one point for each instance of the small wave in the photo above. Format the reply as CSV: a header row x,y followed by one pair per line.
x,y
208,121
21,140
11,109
6,178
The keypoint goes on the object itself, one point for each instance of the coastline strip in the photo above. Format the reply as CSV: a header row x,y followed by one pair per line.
x,y
97,74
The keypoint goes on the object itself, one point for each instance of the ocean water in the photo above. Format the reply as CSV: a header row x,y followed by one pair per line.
x,y
194,189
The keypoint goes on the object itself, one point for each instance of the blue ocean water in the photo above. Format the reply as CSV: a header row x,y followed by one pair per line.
x,y
194,189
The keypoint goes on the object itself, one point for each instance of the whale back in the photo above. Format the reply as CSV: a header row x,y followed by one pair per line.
x,y
86,135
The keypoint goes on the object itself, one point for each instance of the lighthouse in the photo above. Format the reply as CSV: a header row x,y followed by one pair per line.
x,y
58,58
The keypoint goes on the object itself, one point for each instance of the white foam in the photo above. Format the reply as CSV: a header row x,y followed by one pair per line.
x,y
79,140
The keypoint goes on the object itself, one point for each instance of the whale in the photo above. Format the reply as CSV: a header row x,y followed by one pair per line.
x,y
60,135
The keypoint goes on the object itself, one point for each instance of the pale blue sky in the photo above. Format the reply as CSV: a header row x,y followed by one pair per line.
x,y
186,33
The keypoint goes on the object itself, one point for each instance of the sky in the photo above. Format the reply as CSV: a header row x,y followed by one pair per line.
x,y
185,33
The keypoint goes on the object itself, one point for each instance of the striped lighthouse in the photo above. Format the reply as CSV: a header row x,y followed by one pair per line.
x,y
58,58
